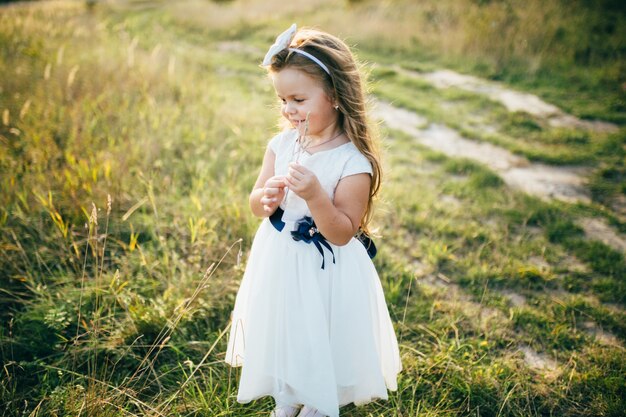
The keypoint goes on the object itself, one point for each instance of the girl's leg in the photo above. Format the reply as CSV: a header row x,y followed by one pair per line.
x,y
310,412
284,410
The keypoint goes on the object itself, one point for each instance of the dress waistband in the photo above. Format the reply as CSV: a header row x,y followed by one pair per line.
x,y
305,230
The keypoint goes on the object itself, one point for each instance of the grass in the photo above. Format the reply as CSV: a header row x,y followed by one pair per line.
x,y
122,307
550,48
478,118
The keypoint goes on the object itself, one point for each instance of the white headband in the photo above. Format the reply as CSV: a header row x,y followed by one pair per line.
x,y
282,42
312,58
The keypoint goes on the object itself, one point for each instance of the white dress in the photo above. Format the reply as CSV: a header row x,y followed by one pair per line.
x,y
307,335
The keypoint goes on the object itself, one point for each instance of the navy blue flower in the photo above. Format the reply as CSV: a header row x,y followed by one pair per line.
x,y
308,233
305,230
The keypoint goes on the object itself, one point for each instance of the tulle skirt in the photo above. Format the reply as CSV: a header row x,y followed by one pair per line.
x,y
306,335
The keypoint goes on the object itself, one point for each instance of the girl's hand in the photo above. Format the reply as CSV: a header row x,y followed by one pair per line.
x,y
273,193
302,182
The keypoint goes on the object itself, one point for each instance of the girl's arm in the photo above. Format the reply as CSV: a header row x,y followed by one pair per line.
x,y
339,219
269,190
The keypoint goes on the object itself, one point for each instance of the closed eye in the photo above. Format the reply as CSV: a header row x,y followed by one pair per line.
x,y
297,100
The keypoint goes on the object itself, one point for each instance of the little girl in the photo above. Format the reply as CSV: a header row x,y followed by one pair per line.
x,y
310,324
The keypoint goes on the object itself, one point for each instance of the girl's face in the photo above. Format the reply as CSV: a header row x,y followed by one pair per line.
x,y
301,94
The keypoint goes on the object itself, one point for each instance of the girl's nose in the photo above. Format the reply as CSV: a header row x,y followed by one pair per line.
x,y
289,108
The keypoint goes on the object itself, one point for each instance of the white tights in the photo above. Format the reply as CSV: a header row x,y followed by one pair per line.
x,y
291,411
310,412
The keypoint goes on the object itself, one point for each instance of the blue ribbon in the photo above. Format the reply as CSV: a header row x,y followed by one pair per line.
x,y
367,241
277,219
307,232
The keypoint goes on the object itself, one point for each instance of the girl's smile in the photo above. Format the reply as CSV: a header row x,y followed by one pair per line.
x,y
300,95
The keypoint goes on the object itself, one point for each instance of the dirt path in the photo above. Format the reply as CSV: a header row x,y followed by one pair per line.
x,y
599,230
541,180
545,181
512,100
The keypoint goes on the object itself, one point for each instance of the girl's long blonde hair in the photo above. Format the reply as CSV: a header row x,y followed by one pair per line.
x,y
344,86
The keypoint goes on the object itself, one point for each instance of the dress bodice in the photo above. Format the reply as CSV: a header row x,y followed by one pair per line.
x,y
330,166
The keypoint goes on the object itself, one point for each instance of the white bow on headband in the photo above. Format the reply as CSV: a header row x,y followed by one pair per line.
x,y
282,42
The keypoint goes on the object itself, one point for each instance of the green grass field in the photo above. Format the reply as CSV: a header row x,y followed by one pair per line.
x,y
132,131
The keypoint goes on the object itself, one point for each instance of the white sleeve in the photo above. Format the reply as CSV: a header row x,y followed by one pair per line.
x,y
274,143
357,164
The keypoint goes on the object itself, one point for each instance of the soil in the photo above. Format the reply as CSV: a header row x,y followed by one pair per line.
x,y
544,181
564,183
513,100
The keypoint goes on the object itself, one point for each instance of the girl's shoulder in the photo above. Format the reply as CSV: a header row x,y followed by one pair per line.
x,y
354,161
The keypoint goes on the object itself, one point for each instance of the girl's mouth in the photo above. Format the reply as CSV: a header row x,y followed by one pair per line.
x,y
298,124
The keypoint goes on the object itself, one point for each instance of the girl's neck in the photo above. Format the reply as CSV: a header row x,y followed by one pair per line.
x,y
333,131
323,141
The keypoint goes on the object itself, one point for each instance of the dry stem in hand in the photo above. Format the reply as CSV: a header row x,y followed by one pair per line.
x,y
301,145
302,141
